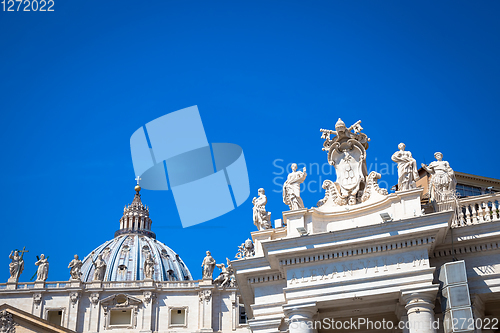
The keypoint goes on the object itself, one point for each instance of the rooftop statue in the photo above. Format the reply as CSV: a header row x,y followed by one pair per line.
x,y
291,188
43,268
208,265
245,250
347,153
16,266
442,183
407,169
75,268
261,218
226,276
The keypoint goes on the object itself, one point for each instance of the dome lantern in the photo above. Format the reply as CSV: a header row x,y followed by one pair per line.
x,y
135,219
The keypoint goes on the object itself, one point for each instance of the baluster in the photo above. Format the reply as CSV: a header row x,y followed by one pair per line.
x,y
487,216
467,214
495,207
461,221
480,213
473,212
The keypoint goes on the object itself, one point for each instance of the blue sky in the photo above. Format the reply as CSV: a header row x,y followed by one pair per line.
x,y
266,75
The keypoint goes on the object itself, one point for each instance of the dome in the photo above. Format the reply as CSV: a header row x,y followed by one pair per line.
x,y
125,254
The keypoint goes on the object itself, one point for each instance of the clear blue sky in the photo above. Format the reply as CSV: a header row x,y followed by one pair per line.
x,y
266,75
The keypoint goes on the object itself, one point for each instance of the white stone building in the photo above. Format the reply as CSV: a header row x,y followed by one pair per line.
x,y
123,299
365,255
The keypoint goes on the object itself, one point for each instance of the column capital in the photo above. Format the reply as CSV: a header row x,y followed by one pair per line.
x,y
420,299
306,309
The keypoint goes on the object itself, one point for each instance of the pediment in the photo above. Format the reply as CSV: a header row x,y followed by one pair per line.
x,y
26,322
120,300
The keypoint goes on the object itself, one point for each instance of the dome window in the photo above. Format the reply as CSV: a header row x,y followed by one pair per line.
x,y
122,269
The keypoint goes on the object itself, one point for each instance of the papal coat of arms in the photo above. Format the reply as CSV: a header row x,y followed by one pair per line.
x,y
347,153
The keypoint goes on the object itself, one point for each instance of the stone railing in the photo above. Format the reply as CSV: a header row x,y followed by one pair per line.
x,y
478,209
121,284
105,285
178,284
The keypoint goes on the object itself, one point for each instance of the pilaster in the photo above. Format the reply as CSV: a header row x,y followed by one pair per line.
x,y
205,305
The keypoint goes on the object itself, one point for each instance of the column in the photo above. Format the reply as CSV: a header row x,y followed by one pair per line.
x,y
300,317
420,310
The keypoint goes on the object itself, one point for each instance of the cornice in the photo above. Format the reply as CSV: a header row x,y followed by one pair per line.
x,y
359,251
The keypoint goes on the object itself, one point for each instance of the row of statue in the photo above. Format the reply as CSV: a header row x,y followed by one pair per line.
x,y
347,153
16,267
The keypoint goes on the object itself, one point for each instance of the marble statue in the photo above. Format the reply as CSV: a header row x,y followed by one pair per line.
x,y
261,218
75,268
16,266
443,182
149,267
43,269
407,168
226,276
291,188
245,250
99,267
347,154
208,265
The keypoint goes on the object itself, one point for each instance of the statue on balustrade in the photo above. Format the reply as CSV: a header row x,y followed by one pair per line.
x,y
291,188
443,182
226,277
261,218
407,168
208,265
16,266
43,269
99,268
149,267
75,267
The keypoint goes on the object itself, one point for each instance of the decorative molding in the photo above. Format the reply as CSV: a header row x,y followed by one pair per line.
x,y
74,298
7,324
465,249
266,278
94,298
205,295
358,251
148,296
37,299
